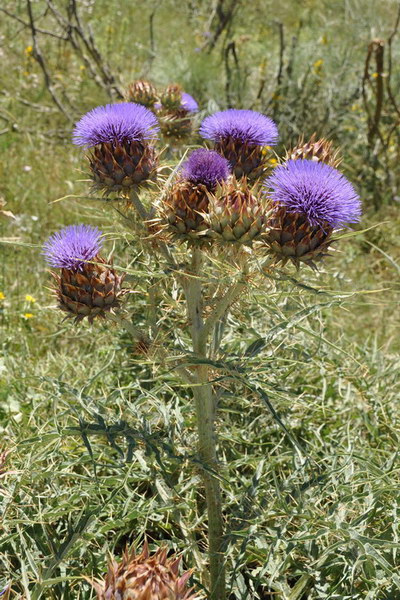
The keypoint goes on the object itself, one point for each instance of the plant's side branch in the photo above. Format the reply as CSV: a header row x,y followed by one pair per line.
x,y
139,336
136,333
146,216
143,213
222,306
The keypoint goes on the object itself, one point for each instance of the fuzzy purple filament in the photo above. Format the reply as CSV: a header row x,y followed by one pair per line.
x,y
316,190
206,167
246,126
122,122
189,103
72,246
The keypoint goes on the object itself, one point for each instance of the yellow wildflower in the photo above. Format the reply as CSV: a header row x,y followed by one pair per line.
x,y
2,296
27,315
30,298
273,162
317,65
28,50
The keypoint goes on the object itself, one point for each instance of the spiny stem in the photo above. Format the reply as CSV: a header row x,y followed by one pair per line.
x,y
205,404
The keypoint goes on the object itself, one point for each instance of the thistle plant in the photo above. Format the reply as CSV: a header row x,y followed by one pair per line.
x,y
220,209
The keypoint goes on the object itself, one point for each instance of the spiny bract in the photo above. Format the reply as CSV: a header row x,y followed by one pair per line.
x,y
237,213
145,577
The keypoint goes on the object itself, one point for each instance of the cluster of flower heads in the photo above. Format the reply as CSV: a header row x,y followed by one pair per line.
x,y
174,107
292,213
227,193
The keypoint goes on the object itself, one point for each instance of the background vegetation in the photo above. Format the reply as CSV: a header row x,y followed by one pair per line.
x,y
101,441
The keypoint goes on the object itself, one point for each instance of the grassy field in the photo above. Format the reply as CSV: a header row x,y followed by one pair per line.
x,y
101,441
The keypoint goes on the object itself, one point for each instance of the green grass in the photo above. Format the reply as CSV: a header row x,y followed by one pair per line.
x,y
102,440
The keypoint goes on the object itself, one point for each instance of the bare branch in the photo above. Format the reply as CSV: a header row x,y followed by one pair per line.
x,y
38,29
40,60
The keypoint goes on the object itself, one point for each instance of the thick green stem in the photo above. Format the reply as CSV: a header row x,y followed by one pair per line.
x,y
205,412
137,203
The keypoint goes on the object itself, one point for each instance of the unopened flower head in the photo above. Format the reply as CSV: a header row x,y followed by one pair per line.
x,y
317,191
189,103
142,92
71,247
115,123
247,126
145,577
205,167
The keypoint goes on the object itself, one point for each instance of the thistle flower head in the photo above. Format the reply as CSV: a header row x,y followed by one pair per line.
x,y
206,167
71,247
145,577
112,123
246,126
142,92
317,191
189,103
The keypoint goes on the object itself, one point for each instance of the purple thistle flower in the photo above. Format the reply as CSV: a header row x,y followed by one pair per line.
x,y
125,121
189,103
206,167
316,190
72,246
246,126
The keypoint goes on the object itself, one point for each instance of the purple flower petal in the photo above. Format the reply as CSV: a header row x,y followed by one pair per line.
x,y
189,103
246,126
206,167
72,246
125,121
316,190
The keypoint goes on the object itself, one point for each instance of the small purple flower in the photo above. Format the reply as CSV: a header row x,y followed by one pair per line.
x,y
316,190
72,246
189,103
206,167
125,121
246,126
